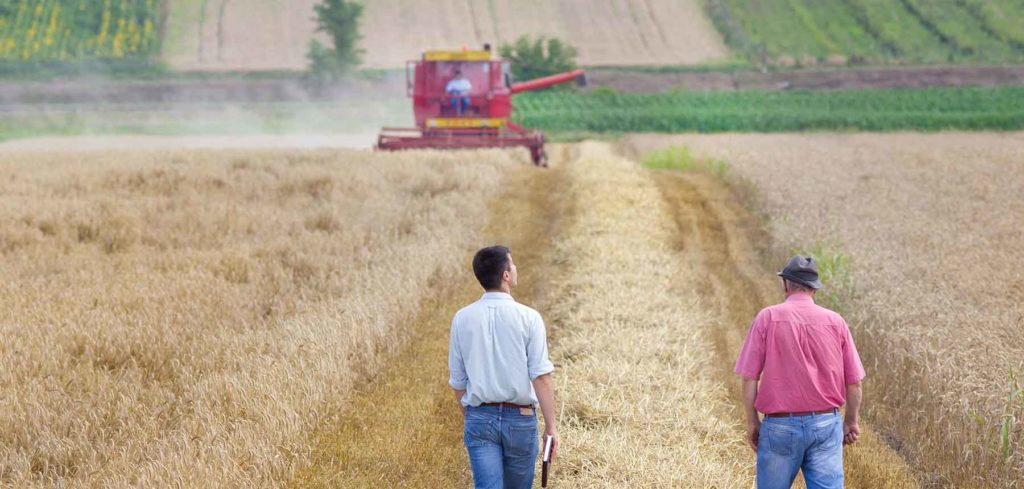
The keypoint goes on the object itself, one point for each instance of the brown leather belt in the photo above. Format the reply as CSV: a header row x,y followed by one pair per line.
x,y
507,405
805,413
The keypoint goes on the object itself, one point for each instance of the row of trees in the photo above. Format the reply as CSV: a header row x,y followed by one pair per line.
x,y
339,19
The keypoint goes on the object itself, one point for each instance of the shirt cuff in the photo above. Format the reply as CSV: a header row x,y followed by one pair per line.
x,y
459,385
543,371
748,375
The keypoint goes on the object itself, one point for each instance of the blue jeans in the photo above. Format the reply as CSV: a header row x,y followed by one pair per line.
x,y
813,443
460,103
502,446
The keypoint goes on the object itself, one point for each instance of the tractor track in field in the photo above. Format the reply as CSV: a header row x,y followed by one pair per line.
x,y
403,429
721,238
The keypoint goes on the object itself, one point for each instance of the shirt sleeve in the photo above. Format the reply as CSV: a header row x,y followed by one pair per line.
x,y
537,360
852,367
751,360
457,378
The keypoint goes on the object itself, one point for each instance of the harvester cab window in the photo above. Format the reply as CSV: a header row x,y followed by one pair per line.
x,y
506,74
475,73
475,77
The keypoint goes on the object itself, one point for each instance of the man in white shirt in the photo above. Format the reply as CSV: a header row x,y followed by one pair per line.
x,y
500,370
458,88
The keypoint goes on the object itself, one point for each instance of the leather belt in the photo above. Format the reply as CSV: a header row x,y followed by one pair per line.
x,y
507,405
805,413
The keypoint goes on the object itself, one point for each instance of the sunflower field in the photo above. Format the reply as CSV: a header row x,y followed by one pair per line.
x,y
41,31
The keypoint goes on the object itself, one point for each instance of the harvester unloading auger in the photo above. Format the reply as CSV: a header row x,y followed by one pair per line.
x,y
446,123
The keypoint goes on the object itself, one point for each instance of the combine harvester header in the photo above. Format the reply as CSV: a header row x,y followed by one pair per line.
x,y
475,118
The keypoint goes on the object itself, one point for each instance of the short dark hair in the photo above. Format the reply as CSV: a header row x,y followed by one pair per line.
x,y
489,264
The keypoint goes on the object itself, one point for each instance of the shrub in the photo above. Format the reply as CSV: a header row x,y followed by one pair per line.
x,y
538,57
340,20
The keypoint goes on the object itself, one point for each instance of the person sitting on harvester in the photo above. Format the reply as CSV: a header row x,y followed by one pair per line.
x,y
458,88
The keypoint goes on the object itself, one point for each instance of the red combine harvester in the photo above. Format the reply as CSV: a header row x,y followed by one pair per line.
x,y
447,121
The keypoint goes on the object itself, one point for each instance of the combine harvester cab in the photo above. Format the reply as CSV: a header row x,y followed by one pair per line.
x,y
484,123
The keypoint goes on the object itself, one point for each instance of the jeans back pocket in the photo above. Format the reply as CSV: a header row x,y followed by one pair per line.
x,y
480,431
523,440
828,435
780,439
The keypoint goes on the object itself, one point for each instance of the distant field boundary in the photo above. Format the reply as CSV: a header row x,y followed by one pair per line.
x,y
285,86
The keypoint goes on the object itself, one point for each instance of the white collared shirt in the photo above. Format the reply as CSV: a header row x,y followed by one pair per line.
x,y
498,347
458,86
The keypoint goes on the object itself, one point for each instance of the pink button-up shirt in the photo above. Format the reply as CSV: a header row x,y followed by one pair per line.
x,y
803,355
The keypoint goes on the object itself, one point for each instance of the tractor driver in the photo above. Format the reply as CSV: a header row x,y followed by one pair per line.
x,y
458,88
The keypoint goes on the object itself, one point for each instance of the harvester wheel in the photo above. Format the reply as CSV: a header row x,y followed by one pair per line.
x,y
540,157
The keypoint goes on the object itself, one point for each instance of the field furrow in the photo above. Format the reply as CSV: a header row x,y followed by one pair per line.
x,y
723,243
921,232
403,429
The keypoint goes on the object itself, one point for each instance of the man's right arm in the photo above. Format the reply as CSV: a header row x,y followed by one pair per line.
x,y
544,385
851,431
749,392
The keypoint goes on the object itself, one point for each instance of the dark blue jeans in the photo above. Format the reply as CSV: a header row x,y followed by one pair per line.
x,y
502,446
813,443
460,103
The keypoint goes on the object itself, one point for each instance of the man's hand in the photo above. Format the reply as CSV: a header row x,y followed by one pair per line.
x,y
458,400
850,432
554,443
748,389
753,433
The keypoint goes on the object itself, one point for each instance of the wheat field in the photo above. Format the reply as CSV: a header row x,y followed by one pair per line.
x,y
265,318
185,318
928,230
217,35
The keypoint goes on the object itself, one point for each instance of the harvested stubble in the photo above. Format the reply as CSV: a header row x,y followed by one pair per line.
x,y
933,224
640,401
183,318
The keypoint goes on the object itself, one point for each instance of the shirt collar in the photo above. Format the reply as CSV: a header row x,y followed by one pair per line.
x,y
800,297
496,296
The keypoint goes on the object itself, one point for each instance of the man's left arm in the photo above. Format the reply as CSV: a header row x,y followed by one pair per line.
x,y
458,400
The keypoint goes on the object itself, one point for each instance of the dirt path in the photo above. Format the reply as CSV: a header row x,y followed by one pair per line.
x,y
404,429
721,238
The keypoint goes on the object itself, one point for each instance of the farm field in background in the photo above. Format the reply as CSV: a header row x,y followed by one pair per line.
x,y
186,317
904,220
211,308
216,35
810,32
560,113
773,111
62,30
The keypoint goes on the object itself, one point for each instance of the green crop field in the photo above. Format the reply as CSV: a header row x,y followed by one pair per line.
x,y
806,32
764,111
71,30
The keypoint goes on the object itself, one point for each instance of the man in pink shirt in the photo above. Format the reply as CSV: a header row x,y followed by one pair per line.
x,y
799,365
